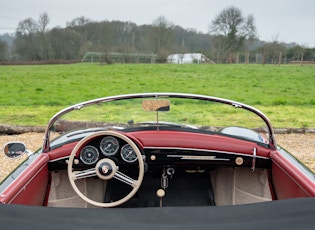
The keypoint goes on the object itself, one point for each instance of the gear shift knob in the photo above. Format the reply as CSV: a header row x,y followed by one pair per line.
x,y
160,193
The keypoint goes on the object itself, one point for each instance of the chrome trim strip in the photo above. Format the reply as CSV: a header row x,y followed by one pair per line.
x,y
205,150
202,158
60,158
254,159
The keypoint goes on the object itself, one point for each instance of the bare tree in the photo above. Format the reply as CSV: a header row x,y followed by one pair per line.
x,y
272,53
26,40
79,21
27,26
31,38
3,50
231,29
65,43
43,21
162,37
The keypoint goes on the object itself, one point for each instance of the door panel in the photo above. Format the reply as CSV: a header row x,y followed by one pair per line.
x,y
30,187
290,178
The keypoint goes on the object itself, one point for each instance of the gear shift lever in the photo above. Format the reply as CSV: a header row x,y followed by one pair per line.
x,y
160,193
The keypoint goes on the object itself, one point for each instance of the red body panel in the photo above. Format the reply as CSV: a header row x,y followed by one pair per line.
x,y
62,152
190,140
175,139
33,180
288,180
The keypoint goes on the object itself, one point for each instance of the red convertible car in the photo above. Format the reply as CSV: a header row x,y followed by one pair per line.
x,y
157,161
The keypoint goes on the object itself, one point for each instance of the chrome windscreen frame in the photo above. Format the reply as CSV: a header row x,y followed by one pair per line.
x,y
272,141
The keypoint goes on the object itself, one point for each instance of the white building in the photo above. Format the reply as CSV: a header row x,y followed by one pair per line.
x,y
187,58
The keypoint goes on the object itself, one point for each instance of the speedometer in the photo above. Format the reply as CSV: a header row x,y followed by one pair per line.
x,y
109,146
128,154
89,155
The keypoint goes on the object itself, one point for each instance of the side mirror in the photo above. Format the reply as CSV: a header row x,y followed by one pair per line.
x,y
14,149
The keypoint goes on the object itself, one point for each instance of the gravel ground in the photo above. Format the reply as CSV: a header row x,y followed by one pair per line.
x,y
302,146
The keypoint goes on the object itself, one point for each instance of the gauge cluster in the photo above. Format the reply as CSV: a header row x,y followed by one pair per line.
x,y
107,146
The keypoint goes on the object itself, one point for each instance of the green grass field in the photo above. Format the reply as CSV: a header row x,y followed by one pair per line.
x,y
31,94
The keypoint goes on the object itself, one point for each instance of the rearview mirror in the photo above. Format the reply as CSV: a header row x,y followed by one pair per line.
x,y
156,105
14,149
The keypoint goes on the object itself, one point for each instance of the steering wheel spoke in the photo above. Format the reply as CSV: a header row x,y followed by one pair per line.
x,y
76,175
125,179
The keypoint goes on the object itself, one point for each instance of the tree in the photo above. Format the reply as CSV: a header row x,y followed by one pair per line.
x,y
231,29
3,51
273,52
31,41
162,37
43,21
79,21
300,54
65,43
26,40
27,26
124,34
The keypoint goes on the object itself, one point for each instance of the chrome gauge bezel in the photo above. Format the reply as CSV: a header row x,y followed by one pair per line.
x,y
93,155
112,148
128,157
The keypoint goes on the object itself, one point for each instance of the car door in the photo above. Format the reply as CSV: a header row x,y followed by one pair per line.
x,y
28,184
290,178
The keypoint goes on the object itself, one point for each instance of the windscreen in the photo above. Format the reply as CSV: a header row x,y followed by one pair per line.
x,y
164,112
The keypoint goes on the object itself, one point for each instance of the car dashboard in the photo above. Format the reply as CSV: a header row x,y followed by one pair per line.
x,y
180,148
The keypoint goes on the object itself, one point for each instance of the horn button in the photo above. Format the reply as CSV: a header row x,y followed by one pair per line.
x,y
106,169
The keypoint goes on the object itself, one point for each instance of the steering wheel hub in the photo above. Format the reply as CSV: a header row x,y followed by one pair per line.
x,y
106,169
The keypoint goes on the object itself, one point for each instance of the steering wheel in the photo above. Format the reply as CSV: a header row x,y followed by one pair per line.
x,y
106,169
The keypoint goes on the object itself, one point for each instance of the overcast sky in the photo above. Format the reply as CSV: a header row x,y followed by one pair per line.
x,y
281,20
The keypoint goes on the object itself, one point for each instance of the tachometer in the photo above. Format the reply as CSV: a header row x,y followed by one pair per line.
x,y
89,155
109,146
128,154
